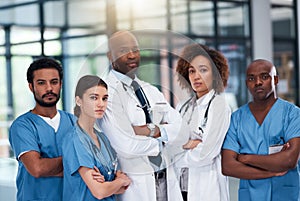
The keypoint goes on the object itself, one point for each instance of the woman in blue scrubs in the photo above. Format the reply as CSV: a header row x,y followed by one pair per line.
x,y
90,164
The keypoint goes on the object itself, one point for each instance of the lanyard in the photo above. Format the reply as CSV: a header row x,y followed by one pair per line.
x,y
192,101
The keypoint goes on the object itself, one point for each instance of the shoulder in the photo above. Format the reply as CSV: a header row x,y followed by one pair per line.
x,y
286,104
220,103
185,103
111,80
66,115
240,111
288,108
24,119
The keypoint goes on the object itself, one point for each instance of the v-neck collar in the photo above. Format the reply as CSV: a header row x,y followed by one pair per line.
x,y
267,115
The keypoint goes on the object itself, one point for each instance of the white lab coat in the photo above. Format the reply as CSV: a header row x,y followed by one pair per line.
x,y
122,112
205,179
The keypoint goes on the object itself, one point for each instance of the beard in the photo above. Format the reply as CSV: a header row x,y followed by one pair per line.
x,y
42,103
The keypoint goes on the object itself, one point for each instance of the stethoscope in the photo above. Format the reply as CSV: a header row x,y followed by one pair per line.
x,y
100,156
147,104
192,102
102,159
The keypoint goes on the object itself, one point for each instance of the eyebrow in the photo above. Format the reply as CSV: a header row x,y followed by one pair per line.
x,y
251,74
46,80
199,66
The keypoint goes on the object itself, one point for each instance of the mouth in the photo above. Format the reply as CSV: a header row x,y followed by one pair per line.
x,y
49,96
258,90
197,84
99,111
132,64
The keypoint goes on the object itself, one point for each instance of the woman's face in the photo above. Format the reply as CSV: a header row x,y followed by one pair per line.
x,y
200,75
94,102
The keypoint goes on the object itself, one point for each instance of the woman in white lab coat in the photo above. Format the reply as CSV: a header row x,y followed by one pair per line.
x,y
205,72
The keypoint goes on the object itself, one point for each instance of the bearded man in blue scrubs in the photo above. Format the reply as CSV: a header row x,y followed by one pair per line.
x,y
36,136
262,145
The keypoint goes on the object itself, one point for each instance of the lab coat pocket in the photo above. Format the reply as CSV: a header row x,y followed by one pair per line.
x,y
136,115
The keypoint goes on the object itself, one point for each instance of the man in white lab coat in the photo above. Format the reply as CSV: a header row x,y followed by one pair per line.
x,y
132,136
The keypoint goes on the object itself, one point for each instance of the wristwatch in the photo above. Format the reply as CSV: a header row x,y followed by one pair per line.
x,y
151,127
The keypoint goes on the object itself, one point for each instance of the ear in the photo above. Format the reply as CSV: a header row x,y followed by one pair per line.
x,y
109,56
276,79
78,101
30,87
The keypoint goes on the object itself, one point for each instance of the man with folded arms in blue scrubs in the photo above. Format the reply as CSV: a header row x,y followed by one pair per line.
x,y
36,136
262,145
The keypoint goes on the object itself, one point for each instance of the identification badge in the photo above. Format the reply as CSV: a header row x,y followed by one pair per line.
x,y
275,148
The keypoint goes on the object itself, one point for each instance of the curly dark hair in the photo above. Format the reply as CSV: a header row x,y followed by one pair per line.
x,y
218,62
43,63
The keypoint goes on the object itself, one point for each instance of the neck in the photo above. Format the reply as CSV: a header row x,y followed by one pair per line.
x,y
265,103
87,124
45,111
202,93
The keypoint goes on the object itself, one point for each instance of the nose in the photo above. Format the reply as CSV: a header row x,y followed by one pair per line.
x,y
49,87
197,75
131,54
258,80
100,103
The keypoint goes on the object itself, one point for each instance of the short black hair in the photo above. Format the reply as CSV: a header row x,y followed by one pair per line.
x,y
43,63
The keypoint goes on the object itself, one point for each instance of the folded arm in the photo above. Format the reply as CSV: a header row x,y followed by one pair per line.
x,y
104,189
231,166
278,162
42,167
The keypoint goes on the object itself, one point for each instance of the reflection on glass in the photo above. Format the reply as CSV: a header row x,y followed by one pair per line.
x,y
233,19
202,18
21,34
27,49
54,13
179,19
283,22
53,48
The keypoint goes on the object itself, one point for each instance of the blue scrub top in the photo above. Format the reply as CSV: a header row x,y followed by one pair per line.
x,y
246,136
29,132
79,150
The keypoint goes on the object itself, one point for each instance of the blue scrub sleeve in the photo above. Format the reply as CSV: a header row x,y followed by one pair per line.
x,y
78,156
22,137
292,121
231,139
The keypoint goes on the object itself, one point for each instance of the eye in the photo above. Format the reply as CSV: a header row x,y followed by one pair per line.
x,y
203,70
265,76
54,82
135,49
40,82
105,98
93,97
191,70
124,50
250,78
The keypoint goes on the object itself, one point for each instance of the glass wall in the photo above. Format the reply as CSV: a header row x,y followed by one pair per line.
x,y
284,37
75,32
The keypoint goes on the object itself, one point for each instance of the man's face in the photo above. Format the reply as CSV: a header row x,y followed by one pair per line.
x,y
46,87
261,80
124,54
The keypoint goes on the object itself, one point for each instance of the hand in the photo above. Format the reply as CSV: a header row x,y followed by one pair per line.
x,y
97,175
277,174
191,144
286,146
122,190
242,158
125,179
